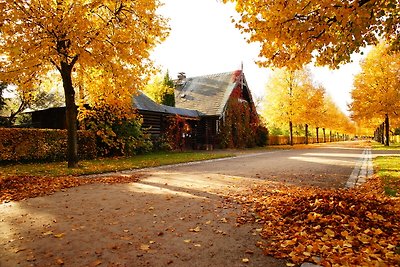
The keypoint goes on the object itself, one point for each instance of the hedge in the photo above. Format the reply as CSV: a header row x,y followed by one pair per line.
x,y
30,145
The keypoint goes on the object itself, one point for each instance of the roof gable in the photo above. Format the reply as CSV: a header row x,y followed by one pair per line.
x,y
208,94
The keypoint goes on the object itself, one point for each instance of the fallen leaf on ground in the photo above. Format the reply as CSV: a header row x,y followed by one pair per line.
x,y
16,188
144,247
329,227
59,235
96,263
196,229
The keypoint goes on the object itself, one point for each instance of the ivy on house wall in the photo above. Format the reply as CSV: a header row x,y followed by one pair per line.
x,y
240,123
176,132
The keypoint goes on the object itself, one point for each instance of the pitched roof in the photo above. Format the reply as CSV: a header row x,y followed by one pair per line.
x,y
143,102
208,94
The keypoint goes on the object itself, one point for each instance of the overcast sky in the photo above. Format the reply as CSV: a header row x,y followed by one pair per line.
x,y
204,41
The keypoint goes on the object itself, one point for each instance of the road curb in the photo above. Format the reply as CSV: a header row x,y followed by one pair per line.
x,y
362,170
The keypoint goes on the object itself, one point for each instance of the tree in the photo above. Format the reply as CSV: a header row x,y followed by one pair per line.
x,y
286,98
293,99
161,90
292,33
376,92
312,111
100,47
3,88
334,119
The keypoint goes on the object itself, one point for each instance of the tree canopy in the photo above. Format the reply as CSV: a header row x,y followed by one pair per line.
x,y
292,98
293,33
376,93
161,90
99,47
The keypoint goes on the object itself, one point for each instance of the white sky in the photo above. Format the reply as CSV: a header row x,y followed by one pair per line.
x,y
203,40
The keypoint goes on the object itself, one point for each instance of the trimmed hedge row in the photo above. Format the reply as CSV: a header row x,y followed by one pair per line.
x,y
42,145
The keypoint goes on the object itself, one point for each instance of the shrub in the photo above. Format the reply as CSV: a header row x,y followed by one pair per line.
x,y
161,144
262,136
18,144
118,132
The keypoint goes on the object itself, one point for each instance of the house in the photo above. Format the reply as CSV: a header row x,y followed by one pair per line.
x,y
50,118
218,108
217,98
156,118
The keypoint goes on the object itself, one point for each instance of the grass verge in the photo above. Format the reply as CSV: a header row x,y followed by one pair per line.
x,y
379,146
388,169
55,169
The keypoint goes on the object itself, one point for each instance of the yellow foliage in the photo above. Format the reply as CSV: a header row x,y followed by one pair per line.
x,y
292,33
105,43
377,88
100,47
157,88
291,96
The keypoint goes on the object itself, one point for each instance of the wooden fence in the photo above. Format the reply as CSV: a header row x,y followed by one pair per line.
x,y
395,139
284,140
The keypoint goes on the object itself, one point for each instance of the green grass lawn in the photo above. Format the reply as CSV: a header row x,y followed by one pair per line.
x,y
388,168
379,146
106,164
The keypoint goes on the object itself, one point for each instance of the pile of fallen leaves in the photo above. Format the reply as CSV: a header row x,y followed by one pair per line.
x,y
21,187
343,227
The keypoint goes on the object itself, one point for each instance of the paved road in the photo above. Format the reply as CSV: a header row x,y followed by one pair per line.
x,y
328,165
175,216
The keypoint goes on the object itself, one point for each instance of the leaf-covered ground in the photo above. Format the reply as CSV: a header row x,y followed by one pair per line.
x,y
353,227
16,188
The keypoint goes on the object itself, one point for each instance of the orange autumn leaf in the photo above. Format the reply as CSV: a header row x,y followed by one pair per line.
x,y
341,227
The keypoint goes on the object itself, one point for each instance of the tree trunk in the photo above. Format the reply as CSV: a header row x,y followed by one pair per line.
x,y
330,136
291,133
316,129
387,141
323,130
306,141
382,127
71,115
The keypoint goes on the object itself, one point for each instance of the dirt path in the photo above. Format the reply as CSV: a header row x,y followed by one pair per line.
x,y
175,216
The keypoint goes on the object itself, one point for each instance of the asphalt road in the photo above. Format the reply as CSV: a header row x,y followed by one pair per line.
x,y
327,166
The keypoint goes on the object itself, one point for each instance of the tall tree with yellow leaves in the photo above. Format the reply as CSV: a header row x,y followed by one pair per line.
x,y
335,120
161,90
376,92
288,94
102,46
292,33
312,110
